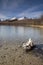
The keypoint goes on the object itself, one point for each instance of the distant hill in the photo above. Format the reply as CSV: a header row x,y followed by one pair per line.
x,y
22,21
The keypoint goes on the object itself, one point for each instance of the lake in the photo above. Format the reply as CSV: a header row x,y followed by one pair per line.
x,y
11,50
20,34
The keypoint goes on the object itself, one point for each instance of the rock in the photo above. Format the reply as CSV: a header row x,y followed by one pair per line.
x,y
28,45
15,49
6,48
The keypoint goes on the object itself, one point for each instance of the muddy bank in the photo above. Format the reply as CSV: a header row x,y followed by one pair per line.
x,y
13,54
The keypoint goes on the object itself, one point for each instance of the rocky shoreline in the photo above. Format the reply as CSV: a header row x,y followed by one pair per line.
x,y
13,54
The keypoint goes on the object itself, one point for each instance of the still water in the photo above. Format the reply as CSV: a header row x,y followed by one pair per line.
x,y
19,34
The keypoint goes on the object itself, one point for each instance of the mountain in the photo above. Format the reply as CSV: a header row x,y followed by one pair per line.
x,y
22,18
13,18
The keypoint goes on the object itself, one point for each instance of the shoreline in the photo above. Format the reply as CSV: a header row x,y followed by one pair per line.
x,y
13,54
27,22
36,26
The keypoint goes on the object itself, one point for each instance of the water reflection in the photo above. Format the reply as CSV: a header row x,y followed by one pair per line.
x,y
20,33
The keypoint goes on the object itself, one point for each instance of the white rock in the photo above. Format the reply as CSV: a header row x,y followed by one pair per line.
x,y
28,45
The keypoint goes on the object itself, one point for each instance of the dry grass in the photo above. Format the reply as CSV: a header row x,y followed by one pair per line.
x,y
26,22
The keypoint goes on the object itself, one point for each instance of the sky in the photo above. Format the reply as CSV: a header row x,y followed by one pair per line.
x,y
20,8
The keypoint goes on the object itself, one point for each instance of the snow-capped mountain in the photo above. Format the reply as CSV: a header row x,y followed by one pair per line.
x,y
13,18
22,18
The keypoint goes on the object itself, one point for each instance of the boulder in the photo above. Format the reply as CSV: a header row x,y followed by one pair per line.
x,y
28,45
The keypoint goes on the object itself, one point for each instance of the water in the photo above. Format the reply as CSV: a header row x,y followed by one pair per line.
x,y
19,34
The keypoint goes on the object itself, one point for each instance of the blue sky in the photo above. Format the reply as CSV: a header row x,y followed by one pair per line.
x,y
20,8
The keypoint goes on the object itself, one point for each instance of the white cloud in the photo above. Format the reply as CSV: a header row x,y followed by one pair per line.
x,y
2,16
35,14
31,13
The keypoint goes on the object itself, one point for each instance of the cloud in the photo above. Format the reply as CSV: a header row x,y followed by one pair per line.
x,y
35,14
2,16
11,4
31,12
19,8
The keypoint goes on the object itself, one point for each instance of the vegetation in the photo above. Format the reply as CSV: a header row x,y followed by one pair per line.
x,y
25,22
